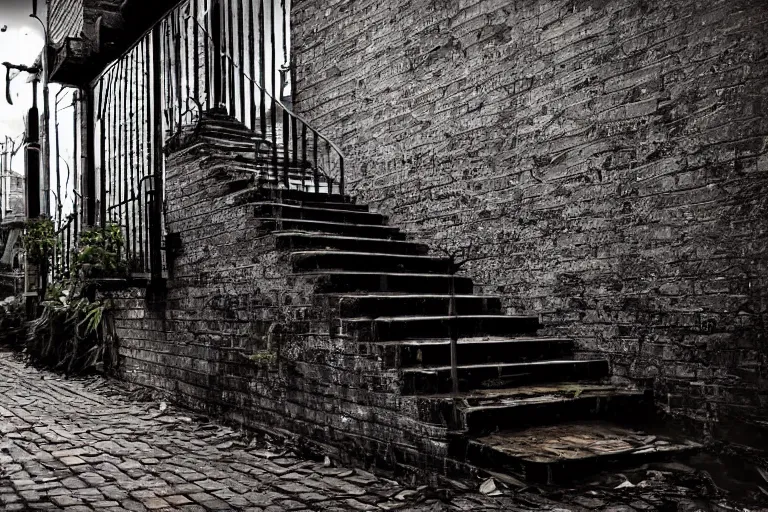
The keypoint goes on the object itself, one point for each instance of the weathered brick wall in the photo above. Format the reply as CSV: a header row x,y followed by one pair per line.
x,y
608,158
229,296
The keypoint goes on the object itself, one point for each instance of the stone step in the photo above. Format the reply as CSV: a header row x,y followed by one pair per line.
x,y
566,451
326,214
537,405
395,304
297,241
336,228
339,281
437,352
429,327
333,205
495,376
296,197
350,260
449,409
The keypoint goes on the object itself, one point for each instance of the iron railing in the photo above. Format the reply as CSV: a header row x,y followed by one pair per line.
x,y
64,248
204,55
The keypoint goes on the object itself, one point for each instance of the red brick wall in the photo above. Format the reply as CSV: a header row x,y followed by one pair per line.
x,y
608,157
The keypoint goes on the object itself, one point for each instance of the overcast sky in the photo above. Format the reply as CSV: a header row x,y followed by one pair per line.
x,y
19,44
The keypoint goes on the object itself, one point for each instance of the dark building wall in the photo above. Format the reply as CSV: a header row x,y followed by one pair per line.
x,y
608,159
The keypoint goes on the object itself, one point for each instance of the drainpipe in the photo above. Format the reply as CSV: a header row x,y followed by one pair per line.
x,y
45,145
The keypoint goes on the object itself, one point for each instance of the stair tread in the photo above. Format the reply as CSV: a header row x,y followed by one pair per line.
x,y
316,208
434,369
579,441
554,397
469,341
331,223
367,254
437,317
404,295
478,398
291,232
363,273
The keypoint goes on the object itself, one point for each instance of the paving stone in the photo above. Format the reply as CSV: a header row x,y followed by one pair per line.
x,y
142,465
177,499
65,500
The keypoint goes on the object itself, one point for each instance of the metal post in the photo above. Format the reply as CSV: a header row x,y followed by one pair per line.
x,y
217,64
89,176
156,262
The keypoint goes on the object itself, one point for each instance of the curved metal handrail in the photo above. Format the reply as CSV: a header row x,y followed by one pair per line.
x,y
279,103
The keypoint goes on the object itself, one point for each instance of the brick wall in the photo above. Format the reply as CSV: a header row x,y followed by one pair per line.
x,y
607,157
229,296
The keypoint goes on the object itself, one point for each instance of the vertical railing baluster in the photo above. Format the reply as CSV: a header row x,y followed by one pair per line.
x,y
284,76
114,150
286,160
217,57
129,150
186,57
157,210
75,178
314,162
176,21
262,73
166,69
241,55
103,142
273,50
231,57
206,62
328,158
295,150
122,195
139,124
196,50
148,146
251,65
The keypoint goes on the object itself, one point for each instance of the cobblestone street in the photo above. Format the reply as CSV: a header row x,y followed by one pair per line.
x,y
82,445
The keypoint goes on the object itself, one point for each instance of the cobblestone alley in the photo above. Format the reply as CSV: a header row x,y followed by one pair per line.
x,y
82,445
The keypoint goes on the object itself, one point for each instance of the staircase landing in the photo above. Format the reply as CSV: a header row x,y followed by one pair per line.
x,y
553,453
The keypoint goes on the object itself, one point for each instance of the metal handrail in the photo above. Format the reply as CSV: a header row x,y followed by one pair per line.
x,y
277,101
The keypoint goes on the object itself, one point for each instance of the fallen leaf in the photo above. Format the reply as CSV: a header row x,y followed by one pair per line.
x,y
488,488
624,484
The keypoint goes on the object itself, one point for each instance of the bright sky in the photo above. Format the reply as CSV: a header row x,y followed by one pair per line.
x,y
19,44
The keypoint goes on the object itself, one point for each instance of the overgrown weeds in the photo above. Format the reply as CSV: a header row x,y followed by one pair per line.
x,y
72,332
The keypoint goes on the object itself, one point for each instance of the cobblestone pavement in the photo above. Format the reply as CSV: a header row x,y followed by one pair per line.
x,y
84,445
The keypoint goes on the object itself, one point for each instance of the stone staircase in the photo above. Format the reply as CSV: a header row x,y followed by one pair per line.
x,y
527,404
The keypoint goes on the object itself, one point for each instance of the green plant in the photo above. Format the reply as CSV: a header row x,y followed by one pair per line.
x,y
68,335
263,357
39,240
98,250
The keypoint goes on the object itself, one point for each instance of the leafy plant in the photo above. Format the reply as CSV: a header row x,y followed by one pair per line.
x,y
39,240
68,335
263,357
98,251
